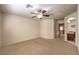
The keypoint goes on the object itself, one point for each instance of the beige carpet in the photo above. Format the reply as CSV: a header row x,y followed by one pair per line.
x,y
40,47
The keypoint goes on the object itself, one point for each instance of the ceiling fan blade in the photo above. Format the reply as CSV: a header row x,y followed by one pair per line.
x,y
44,11
33,16
39,11
33,13
46,15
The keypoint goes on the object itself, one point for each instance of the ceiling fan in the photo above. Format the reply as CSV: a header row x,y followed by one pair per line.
x,y
38,13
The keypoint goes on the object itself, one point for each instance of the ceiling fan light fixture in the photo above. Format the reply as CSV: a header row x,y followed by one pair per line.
x,y
39,16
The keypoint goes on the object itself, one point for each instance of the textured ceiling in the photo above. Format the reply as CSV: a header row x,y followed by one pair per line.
x,y
59,11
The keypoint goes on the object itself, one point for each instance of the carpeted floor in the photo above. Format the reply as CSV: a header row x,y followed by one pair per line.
x,y
40,47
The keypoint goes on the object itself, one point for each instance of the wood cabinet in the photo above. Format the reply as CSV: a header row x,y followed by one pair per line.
x,y
71,36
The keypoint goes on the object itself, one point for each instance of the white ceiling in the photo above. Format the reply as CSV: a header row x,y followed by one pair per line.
x,y
59,11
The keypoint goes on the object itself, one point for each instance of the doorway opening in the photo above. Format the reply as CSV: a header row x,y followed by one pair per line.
x,y
61,30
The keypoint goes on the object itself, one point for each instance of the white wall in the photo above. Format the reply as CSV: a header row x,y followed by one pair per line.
x,y
47,29
78,30
60,21
69,28
16,29
0,29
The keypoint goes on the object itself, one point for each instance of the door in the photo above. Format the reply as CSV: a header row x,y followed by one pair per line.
x,y
61,30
